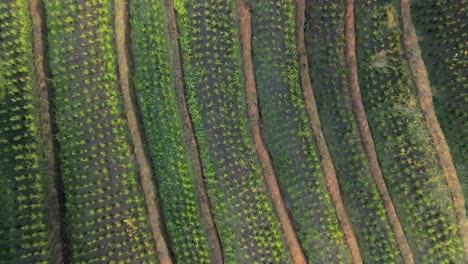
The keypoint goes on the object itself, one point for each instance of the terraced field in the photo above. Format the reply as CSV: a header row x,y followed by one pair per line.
x,y
104,213
222,131
411,169
334,102
288,135
440,26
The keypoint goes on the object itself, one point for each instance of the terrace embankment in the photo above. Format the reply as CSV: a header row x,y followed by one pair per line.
x,y
48,130
214,243
327,164
139,147
423,86
367,141
254,117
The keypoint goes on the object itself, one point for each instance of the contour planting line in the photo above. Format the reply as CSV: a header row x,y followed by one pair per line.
x,y
152,199
366,136
55,195
214,243
423,86
324,154
262,153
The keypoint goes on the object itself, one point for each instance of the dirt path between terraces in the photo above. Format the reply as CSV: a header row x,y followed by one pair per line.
x,y
55,190
153,207
367,141
327,164
214,243
421,80
254,118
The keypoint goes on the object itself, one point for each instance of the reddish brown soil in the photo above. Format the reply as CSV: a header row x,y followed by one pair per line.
x,y
423,86
48,129
141,153
216,252
367,141
251,94
327,164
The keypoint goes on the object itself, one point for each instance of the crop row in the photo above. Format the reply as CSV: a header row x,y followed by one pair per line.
x,y
154,83
24,226
105,218
248,227
402,142
326,44
442,35
288,135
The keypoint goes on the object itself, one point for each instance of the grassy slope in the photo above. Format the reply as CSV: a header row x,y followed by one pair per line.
x,y
105,217
24,233
325,42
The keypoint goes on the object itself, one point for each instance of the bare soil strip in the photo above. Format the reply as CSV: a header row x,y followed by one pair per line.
x,y
136,132
48,129
254,117
216,252
327,164
367,141
421,80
